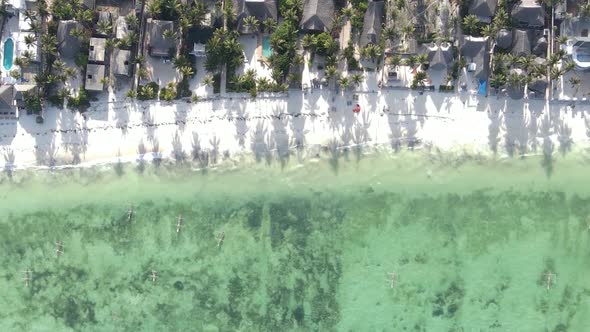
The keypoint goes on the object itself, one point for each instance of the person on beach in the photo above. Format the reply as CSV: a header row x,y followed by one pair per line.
x,y
356,109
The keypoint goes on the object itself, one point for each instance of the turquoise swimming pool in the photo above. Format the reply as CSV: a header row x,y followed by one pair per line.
x,y
266,50
8,53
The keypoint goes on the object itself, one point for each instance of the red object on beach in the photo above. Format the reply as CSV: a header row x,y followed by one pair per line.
x,y
357,109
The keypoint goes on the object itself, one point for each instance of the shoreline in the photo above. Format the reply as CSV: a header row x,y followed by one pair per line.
x,y
273,128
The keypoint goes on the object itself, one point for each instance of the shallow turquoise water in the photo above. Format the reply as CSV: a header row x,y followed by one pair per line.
x,y
266,49
8,53
305,247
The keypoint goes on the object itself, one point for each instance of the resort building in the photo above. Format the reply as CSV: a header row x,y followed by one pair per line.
x,y
19,93
317,15
121,63
8,108
528,14
261,9
504,39
373,23
122,28
97,50
103,16
475,50
198,37
521,42
440,57
94,77
578,43
158,44
483,9
68,45
88,4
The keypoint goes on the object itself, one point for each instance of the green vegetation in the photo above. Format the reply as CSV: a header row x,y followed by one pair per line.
x,y
284,39
148,91
224,49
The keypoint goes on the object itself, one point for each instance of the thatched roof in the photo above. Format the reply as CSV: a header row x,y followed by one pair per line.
x,y
521,42
474,49
373,23
68,45
158,45
483,9
440,57
528,13
261,9
317,15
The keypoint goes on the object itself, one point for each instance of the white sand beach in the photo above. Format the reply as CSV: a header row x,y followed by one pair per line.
x,y
270,128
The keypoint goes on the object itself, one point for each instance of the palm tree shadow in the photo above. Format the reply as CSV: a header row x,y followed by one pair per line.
x,y
548,147
334,150
564,135
177,150
141,151
9,159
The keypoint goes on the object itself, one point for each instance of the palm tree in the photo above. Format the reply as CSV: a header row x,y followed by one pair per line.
x,y
408,30
395,61
49,44
514,80
262,83
186,71
30,39
569,66
58,66
251,23
489,31
169,35
104,27
70,72
30,16
356,79
208,80
419,79
78,33
498,80
85,17
143,73
526,63
132,21
28,55
561,39
330,72
343,82
307,41
269,24
35,26
198,14
181,61
389,33
584,10
575,81
422,59
471,25
412,61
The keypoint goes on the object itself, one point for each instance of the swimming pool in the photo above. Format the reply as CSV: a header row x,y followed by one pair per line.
x,y
266,50
8,53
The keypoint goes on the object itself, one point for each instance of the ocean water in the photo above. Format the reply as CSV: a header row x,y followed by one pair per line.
x,y
476,244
